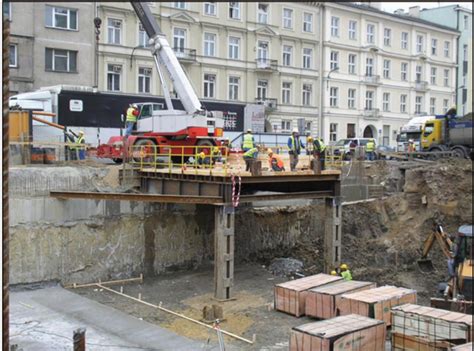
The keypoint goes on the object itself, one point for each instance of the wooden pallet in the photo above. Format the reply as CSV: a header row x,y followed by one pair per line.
x,y
375,303
321,302
290,297
351,332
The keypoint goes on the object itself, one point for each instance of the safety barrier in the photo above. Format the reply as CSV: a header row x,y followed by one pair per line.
x,y
184,157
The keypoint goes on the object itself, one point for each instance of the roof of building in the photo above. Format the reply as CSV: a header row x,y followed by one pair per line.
x,y
366,7
455,7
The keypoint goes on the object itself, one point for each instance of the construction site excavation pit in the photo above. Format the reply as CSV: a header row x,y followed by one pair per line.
x,y
388,210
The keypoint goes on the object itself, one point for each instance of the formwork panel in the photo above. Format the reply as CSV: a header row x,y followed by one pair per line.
x,y
290,297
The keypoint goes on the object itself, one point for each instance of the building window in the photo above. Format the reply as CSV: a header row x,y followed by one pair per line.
x,y
210,8
386,135
287,18
114,73
287,51
370,33
234,88
209,44
446,78
334,61
369,66
434,46
307,127
234,45
446,49
114,31
179,5
332,131
352,63
466,22
352,30
286,92
432,106
285,125
142,36
369,100
13,55
179,39
144,80
445,105
404,71
262,86
387,37
333,96
351,127
234,10
351,93
418,100
307,58
263,13
307,22
61,17
334,26
418,74
464,53
419,44
61,60
307,90
209,86
403,103
386,69
262,51
404,41
7,10
433,76
386,102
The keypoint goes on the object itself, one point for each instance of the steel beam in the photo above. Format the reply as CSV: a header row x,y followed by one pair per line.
x,y
205,200
332,234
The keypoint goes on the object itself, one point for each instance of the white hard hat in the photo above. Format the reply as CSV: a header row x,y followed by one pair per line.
x,y
295,130
249,130
81,132
135,105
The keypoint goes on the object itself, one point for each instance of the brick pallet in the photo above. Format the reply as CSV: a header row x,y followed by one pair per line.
x,y
376,303
321,302
351,332
425,328
290,297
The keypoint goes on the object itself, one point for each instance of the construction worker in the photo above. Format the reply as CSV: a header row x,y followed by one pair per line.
x,y
370,150
319,151
295,145
248,142
216,155
132,116
345,272
309,143
203,160
249,157
411,145
77,151
275,161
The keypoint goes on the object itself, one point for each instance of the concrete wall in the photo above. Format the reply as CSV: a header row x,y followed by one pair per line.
x,y
84,240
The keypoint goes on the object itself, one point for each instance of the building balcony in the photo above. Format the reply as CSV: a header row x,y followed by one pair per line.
x,y
266,65
185,55
371,113
421,85
270,103
371,80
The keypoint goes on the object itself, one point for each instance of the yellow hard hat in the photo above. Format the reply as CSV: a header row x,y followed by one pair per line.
x,y
215,149
344,266
333,273
202,154
81,132
310,138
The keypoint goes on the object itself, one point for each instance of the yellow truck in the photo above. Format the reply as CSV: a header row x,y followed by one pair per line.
x,y
445,133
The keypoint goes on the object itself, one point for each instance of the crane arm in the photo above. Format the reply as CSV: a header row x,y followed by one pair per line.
x,y
165,55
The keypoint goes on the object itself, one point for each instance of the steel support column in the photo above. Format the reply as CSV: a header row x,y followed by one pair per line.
x,y
332,235
224,223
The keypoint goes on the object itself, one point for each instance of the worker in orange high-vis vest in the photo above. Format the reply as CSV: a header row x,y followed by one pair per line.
x,y
275,161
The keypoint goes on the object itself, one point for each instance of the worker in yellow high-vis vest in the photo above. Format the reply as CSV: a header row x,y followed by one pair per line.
x,y
248,141
132,116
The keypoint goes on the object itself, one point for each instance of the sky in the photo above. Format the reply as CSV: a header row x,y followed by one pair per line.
x,y
392,6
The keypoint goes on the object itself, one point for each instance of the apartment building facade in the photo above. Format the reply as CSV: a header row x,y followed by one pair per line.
x,y
459,18
383,70
234,52
50,44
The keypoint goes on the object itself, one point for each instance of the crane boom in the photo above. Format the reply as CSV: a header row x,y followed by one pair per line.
x,y
165,55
